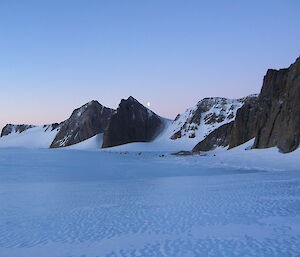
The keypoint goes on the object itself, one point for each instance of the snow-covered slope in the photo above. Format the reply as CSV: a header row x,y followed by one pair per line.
x,y
32,137
243,157
58,203
192,126
92,143
209,114
11,128
183,133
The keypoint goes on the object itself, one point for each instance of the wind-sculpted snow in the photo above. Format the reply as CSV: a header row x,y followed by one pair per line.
x,y
94,203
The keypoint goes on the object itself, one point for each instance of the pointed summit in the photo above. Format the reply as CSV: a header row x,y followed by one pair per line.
x,y
131,98
87,121
132,122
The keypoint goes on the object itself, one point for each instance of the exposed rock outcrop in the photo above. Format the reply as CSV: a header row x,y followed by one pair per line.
x,y
238,131
273,119
51,127
132,122
245,123
15,128
12,128
85,122
279,103
209,114
219,137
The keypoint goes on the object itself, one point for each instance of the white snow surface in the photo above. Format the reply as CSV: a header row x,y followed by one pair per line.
x,y
94,142
36,137
74,203
217,107
243,157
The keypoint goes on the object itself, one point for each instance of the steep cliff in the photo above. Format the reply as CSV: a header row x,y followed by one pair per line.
x,y
244,126
279,107
273,119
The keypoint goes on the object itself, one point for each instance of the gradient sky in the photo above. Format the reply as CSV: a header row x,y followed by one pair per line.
x,y
56,55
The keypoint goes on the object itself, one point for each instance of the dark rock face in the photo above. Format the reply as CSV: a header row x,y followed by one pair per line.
x,y
279,103
85,122
176,135
219,137
273,119
245,124
14,128
236,132
11,128
209,113
51,127
132,122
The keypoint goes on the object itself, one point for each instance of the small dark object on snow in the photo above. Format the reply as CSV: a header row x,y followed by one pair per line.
x,y
183,153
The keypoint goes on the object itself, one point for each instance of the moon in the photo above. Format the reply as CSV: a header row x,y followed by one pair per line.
x,y
148,104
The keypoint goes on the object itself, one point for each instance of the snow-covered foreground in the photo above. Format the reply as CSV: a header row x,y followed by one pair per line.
x,y
67,202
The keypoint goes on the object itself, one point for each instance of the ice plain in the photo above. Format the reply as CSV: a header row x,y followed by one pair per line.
x,y
77,203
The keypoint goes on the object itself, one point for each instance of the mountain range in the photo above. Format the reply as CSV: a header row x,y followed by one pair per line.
x,y
271,118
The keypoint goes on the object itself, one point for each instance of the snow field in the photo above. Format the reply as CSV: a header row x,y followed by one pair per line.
x,y
94,203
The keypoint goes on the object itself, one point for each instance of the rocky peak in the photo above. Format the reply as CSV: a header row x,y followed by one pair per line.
x,y
273,118
90,119
130,99
132,122
206,116
12,128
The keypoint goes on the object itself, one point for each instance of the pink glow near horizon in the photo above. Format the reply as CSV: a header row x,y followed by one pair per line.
x,y
169,53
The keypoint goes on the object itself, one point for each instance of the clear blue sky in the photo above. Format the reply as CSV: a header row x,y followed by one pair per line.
x,y
56,55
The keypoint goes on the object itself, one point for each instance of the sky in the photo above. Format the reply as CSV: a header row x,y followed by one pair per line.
x,y
56,55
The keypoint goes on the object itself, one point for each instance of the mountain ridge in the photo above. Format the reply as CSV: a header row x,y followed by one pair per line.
x,y
271,118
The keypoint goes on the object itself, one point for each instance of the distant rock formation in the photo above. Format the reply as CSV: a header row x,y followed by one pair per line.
x,y
273,119
51,127
209,114
85,122
12,128
245,123
15,128
132,122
